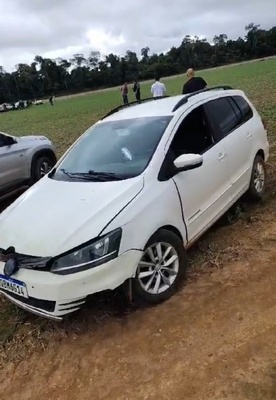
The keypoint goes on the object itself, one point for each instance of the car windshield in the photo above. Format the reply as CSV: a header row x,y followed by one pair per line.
x,y
113,150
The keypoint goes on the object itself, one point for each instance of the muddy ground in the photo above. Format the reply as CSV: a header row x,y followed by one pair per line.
x,y
215,339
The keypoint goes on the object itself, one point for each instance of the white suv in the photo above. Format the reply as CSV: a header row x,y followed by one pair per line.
x,y
128,198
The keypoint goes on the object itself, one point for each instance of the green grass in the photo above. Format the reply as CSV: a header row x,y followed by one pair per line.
x,y
69,118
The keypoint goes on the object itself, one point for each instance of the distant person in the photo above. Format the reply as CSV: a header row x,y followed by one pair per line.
x,y
124,93
136,90
51,100
158,89
194,83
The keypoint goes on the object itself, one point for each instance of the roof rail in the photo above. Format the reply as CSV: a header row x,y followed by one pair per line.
x,y
133,103
185,99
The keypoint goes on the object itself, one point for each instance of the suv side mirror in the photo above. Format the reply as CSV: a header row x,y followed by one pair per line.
x,y
186,162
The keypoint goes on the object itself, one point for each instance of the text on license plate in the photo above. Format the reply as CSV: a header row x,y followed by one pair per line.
x,y
13,286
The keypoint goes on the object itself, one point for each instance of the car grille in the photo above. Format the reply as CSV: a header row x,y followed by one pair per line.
x,y
45,305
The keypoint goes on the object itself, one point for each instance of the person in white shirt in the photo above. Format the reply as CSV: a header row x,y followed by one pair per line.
x,y
158,89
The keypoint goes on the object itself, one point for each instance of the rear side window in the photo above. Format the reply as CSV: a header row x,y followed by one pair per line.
x,y
244,107
222,115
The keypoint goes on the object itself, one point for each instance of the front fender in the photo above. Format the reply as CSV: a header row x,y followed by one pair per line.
x,y
155,207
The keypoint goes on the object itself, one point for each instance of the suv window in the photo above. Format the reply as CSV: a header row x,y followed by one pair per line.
x,y
193,135
2,140
222,115
244,108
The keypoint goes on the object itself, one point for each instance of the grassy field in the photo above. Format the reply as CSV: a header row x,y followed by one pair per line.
x,y
69,118
64,122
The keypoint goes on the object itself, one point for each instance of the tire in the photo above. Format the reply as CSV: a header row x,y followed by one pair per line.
x,y
143,288
258,180
41,167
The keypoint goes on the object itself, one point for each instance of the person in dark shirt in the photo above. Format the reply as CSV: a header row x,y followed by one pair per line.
x,y
194,83
137,90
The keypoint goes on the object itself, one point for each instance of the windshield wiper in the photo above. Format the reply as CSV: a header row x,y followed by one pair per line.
x,y
93,175
66,172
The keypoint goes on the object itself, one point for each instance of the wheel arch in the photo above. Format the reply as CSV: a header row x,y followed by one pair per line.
x,y
169,228
42,153
260,153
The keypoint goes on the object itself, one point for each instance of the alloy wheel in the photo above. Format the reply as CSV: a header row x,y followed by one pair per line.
x,y
45,167
158,268
259,177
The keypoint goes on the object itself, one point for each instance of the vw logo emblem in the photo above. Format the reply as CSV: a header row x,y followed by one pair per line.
x,y
10,267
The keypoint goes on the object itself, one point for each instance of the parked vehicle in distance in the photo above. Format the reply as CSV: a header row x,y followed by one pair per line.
x,y
23,161
21,104
127,200
37,102
6,107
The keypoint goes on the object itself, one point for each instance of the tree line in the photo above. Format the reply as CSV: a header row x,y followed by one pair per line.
x,y
45,76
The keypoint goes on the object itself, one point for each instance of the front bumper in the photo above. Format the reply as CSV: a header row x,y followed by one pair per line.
x,y
54,296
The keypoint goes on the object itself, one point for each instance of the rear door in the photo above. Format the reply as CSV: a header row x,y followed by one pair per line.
x,y
233,124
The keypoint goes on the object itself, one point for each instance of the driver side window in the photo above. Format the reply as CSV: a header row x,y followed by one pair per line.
x,y
193,135
2,140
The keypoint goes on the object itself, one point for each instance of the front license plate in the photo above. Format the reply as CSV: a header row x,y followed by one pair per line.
x,y
13,286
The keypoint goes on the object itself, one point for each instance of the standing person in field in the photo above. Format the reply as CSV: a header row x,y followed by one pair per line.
x,y
124,93
51,100
158,89
194,83
136,90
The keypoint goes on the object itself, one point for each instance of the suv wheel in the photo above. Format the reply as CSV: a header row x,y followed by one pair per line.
x,y
42,166
161,268
258,180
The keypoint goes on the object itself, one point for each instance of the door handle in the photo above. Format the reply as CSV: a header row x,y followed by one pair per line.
x,y
249,135
221,156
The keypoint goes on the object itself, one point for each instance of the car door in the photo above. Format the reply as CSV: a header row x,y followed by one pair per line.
x,y
205,191
233,123
13,164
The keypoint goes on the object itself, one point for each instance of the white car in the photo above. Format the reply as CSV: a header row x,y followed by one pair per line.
x,y
37,102
6,107
128,198
21,104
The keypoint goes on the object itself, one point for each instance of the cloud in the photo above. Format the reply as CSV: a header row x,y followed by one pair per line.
x,y
62,27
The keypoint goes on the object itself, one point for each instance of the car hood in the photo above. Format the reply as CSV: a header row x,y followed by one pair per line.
x,y
31,138
53,216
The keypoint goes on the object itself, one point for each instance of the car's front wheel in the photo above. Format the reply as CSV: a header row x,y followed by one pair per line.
x,y
161,268
41,167
258,180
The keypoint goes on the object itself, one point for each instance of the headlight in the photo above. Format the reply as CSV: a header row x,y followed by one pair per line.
x,y
91,255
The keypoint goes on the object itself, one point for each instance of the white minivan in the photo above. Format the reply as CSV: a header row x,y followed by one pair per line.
x,y
128,198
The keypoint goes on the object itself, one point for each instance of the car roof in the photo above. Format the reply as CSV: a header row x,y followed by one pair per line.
x,y
159,107
164,106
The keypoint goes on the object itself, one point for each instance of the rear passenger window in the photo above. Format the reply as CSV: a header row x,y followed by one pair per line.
x,y
222,115
244,108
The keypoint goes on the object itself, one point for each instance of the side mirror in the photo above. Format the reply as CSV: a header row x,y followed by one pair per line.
x,y
186,162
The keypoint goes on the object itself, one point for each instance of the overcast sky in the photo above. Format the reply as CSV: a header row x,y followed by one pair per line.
x,y
54,28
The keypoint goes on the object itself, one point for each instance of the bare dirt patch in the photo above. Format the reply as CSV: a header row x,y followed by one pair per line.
x,y
214,339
